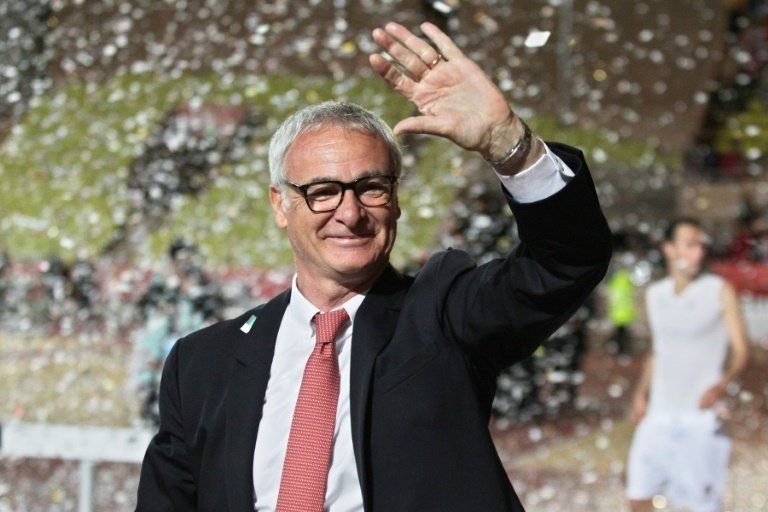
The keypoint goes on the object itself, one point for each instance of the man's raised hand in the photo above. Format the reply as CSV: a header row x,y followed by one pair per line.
x,y
456,98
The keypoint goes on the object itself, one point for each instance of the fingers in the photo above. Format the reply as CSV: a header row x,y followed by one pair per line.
x,y
410,52
444,43
394,77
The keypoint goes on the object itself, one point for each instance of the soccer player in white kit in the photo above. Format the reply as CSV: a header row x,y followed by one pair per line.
x,y
679,449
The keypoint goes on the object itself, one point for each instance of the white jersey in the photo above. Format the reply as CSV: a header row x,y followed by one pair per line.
x,y
690,341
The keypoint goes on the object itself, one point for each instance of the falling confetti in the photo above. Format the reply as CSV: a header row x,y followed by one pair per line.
x,y
102,104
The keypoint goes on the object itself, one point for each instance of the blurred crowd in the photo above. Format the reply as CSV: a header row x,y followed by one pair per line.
x,y
749,239
152,307
731,143
148,308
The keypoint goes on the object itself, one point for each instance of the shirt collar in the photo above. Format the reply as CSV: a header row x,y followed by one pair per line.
x,y
303,311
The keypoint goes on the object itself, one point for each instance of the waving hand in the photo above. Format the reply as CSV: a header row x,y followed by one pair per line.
x,y
456,98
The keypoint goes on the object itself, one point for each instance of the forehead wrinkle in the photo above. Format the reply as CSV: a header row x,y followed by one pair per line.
x,y
326,149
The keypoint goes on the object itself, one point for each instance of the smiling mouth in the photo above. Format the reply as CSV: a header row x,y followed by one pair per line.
x,y
350,239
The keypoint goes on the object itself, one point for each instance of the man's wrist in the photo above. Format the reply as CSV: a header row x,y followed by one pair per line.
x,y
503,134
515,153
514,148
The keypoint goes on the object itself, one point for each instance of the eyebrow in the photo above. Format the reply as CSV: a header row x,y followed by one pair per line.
x,y
367,174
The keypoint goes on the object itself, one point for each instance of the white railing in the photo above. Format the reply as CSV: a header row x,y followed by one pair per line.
x,y
87,445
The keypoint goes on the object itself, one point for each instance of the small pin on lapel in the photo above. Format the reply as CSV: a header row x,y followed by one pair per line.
x,y
246,328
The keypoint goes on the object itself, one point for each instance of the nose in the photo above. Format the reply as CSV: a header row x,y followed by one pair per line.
x,y
350,210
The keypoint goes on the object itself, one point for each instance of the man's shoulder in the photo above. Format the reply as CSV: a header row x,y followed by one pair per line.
x,y
660,286
227,332
448,261
710,279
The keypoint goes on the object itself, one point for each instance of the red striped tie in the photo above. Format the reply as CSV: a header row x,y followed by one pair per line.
x,y
310,443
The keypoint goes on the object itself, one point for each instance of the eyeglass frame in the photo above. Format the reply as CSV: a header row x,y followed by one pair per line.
x,y
345,185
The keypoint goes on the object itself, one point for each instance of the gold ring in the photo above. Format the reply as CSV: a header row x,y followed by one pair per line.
x,y
434,62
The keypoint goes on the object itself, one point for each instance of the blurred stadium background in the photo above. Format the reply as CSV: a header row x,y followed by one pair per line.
x,y
133,206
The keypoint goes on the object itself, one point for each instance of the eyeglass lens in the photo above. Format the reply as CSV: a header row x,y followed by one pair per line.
x,y
370,191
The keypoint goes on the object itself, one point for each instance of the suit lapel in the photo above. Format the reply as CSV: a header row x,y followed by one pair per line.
x,y
245,399
375,323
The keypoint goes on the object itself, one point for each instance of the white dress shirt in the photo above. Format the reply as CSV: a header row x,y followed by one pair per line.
x,y
294,344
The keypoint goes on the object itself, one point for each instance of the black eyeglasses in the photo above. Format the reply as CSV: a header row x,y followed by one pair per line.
x,y
326,196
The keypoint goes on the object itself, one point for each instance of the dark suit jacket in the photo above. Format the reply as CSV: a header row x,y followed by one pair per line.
x,y
426,351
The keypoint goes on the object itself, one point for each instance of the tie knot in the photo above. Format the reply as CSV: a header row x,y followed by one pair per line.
x,y
328,325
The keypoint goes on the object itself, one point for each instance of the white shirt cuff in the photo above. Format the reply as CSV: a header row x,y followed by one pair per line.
x,y
547,176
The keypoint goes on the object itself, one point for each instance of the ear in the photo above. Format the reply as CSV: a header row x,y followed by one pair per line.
x,y
278,208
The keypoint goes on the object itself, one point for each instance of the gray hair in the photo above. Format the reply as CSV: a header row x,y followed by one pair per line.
x,y
329,113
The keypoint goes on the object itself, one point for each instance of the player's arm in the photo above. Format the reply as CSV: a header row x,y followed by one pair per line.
x,y
640,397
739,346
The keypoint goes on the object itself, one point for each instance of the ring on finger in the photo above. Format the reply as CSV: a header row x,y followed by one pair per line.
x,y
435,61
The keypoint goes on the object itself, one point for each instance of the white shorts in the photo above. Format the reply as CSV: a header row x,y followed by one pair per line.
x,y
683,457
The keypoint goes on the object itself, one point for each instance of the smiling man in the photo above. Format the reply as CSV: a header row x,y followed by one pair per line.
x,y
359,388
341,239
